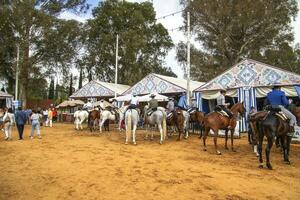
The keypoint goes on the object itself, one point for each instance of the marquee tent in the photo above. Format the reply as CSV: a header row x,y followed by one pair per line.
x,y
155,83
98,89
248,80
5,99
144,98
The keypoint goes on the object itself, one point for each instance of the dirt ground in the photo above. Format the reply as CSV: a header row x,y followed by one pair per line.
x,y
68,164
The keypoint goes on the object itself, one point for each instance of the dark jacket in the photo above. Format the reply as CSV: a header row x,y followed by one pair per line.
x,y
21,117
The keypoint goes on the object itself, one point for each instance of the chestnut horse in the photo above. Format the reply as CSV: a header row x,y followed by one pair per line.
x,y
215,121
177,120
197,117
94,117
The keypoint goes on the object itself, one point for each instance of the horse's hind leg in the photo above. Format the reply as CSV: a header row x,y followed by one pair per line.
x,y
226,138
161,134
216,142
206,131
232,132
259,148
133,134
286,149
268,149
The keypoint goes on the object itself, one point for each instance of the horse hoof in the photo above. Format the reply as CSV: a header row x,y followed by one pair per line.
x,y
219,153
257,155
287,162
261,166
161,142
269,166
134,143
233,150
226,148
126,143
204,149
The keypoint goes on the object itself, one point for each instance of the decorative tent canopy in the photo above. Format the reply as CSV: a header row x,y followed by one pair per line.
x,y
98,89
72,103
251,73
4,95
155,83
5,100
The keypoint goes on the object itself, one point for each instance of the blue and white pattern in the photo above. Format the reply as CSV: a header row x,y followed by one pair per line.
x,y
247,74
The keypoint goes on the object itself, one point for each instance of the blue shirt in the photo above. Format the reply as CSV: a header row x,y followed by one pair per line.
x,y
277,97
182,102
21,117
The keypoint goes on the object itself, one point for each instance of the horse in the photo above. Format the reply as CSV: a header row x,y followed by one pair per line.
x,y
296,112
1,119
273,125
177,120
107,115
215,121
131,121
121,111
80,116
93,117
158,118
197,118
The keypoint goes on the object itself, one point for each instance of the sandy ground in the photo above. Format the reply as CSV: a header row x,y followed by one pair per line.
x,y
68,164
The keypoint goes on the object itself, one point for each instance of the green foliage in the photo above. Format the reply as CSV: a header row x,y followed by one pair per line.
x,y
51,89
143,43
229,31
71,85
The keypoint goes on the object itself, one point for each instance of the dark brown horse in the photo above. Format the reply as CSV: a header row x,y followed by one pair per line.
x,y
296,112
197,118
177,120
1,118
273,126
94,117
215,121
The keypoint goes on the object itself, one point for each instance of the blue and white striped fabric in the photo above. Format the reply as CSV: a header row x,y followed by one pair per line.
x,y
198,97
248,96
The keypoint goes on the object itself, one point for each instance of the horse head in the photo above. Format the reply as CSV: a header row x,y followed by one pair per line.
x,y
239,108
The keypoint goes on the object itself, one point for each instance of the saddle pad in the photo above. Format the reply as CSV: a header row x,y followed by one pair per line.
x,y
282,116
170,115
223,113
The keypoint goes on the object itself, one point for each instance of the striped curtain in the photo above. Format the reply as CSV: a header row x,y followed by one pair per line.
x,y
248,96
198,97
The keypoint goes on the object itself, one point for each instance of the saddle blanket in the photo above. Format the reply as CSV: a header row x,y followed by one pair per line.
x,y
282,116
223,113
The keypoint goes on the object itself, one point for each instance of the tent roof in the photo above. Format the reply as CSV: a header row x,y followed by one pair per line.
x,y
5,95
70,104
251,73
156,83
99,89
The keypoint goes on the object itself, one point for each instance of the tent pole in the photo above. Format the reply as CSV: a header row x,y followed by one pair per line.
x,y
17,73
116,75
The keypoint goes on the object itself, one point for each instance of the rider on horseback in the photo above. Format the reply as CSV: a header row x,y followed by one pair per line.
x,y
170,106
193,106
182,102
133,103
223,105
153,104
277,98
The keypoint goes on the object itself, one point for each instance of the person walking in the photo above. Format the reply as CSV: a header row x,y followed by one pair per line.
x,y
35,121
21,119
50,117
9,120
45,116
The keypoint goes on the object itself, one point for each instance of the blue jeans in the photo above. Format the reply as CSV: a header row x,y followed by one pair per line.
x,y
35,125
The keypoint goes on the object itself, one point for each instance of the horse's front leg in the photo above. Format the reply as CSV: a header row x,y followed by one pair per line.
x,y
232,134
186,129
259,148
216,132
100,125
127,134
161,134
206,131
268,149
226,138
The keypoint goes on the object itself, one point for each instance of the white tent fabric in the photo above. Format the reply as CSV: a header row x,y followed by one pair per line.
x,y
126,97
147,97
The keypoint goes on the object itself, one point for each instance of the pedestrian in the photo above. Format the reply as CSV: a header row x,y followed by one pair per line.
x,y
45,116
21,119
35,121
9,120
54,114
50,117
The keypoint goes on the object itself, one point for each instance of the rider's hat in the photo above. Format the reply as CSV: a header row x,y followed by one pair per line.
x,y
171,98
223,91
152,95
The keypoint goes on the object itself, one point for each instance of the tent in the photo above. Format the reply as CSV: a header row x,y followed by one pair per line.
x,y
68,104
105,103
249,80
166,85
147,97
5,100
98,89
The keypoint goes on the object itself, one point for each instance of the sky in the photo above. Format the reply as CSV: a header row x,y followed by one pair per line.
x,y
165,7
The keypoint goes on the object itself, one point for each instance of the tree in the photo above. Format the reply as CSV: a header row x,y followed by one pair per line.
x,y
71,85
57,88
51,89
35,27
143,43
80,78
229,31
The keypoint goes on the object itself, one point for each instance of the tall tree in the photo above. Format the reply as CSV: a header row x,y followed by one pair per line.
x,y
71,85
57,88
80,78
42,37
143,43
229,31
51,89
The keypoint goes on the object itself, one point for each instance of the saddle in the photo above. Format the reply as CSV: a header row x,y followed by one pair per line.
x,y
149,112
220,111
191,110
170,115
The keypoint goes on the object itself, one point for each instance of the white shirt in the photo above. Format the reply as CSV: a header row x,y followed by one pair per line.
x,y
10,116
134,101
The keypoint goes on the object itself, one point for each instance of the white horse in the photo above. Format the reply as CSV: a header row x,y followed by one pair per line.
x,y
158,118
186,123
121,115
80,116
131,121
106,115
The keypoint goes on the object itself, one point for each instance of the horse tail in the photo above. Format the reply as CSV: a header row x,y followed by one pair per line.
x,y
128,125
164,124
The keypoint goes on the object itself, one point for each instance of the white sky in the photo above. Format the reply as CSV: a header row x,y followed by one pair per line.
x,y
165,7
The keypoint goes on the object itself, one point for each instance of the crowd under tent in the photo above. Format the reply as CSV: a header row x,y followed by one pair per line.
x,y
166,85
249,81
5,100
99,90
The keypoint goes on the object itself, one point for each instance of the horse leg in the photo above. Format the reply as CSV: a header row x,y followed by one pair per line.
x,y
180,130
207,129
286,149
127,135
161,134
101,124
268,149
215,142
133,134
226,139
232,133
259,148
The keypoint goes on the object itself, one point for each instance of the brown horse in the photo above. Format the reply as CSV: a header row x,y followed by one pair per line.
x,y
296,112
1,118
177,120
197,117
94,117
215,121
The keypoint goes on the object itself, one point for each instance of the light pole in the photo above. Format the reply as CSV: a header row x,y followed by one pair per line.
x,y
116,70
188,61
17,72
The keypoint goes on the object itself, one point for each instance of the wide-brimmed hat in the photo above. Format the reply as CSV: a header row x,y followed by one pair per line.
x,y
171,98
152,95
222,90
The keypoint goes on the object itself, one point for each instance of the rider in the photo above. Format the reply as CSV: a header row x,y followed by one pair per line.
x,y
223,105
193,106
182,102
89,105
153,104
278,98
133,103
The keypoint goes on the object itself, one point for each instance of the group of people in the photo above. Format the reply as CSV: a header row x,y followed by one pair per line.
x,y
20,118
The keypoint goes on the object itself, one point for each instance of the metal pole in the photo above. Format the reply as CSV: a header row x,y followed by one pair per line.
x,y
188,61
116,70
17,73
